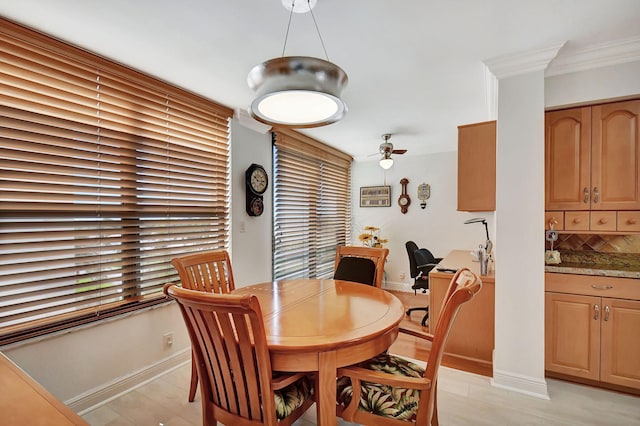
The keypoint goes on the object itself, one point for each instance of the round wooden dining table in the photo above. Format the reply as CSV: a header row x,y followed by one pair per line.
x,y
320,325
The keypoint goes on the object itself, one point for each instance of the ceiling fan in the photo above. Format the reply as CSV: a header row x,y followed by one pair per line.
x,y
386,149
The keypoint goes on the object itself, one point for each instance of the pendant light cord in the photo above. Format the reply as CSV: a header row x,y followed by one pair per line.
x,y
286,37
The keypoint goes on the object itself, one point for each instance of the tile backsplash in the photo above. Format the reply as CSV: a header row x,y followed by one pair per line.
x,y
617,251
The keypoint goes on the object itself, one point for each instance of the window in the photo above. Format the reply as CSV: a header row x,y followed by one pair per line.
x,y
106,175
312,208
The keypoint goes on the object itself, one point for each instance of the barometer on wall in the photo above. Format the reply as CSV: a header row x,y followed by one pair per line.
x,y
403,199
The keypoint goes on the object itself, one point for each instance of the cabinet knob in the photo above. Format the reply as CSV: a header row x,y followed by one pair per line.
x,y
577,220
602,221
631,221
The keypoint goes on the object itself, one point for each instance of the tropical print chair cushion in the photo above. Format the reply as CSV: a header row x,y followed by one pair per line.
x,y
383,400
292,397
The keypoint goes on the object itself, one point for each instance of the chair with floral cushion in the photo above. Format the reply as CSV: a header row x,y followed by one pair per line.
x,y
237,385
208,271
353,264
389,390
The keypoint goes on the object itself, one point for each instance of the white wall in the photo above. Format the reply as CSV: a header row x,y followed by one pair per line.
x,y
611,82
251,236
439,227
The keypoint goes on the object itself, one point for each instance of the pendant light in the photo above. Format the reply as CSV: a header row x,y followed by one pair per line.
x,y
298,91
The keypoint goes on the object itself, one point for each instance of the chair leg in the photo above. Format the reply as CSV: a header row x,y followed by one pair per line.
x,y
434,417
194,380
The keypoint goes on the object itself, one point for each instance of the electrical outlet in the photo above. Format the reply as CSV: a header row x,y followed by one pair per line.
x,y
402,275
167,338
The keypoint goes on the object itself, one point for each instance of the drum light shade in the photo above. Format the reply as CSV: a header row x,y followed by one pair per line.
x,y
297,91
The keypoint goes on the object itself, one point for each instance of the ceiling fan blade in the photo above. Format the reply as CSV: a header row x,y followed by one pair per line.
x,y
398,151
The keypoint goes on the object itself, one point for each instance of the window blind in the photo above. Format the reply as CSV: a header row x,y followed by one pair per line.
x,y
312,207
106,174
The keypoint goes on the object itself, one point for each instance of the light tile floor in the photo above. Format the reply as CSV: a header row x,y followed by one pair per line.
x,y
463,398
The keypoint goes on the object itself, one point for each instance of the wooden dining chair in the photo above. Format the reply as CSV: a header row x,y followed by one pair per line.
x,y
208,271
390,390
237,385
348,269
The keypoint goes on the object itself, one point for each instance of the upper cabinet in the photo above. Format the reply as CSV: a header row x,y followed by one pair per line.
x,y
477,167
592,157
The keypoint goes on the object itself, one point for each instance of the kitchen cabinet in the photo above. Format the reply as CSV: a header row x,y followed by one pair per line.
x,y
592,157
477,167
471,339
591,328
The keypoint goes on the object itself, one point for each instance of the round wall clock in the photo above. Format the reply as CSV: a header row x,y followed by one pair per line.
x,y
257,179
256,182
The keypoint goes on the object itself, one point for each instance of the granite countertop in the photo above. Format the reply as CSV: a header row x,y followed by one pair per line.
x,y
600,270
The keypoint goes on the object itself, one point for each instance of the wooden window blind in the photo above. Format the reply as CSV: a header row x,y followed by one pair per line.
x,y
106,174
312,207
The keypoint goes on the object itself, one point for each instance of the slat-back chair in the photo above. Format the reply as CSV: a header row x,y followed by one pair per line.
x,y
229,343
364,388
376,254
208,271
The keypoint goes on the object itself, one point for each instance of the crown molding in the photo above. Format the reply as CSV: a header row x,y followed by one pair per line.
x,y
522,62
247,121
596,56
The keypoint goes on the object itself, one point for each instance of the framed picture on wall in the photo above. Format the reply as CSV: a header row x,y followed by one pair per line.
x,y
375,196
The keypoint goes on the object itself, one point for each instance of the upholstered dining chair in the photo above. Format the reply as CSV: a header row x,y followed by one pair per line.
x,y
390,390
354,263
208,271
421,262
237,385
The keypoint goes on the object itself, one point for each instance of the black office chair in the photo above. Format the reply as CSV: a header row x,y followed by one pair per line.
x,y
421,261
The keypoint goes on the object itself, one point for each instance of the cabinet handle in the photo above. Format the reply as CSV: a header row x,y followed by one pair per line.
x,y
596,194
596,311
586,194
601,287
606,313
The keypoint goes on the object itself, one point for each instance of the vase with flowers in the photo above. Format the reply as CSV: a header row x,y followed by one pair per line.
x,y
370,237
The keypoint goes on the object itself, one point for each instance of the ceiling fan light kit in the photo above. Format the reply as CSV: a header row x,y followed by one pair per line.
x,y
298,91
386,149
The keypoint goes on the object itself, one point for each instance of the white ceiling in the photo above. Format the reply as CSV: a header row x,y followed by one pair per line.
x,y
415,66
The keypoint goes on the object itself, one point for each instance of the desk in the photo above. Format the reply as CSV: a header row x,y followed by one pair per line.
x,y
471,339
24,402
320,325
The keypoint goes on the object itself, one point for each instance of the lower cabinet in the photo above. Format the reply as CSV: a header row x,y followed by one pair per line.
x,y
590,336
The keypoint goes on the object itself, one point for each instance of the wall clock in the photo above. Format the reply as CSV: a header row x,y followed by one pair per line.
x,y
256,182
403,199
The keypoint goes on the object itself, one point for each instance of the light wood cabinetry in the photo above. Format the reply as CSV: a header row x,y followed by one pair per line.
x,y
592,326
477,167
592,167
472,336
592,157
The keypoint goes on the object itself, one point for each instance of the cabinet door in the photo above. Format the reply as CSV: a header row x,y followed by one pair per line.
x,y
620,357
568,159
572,334
615,151
477,167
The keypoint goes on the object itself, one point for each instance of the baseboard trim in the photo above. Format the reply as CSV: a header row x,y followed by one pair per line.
x,y
98,396
397,286
522,384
